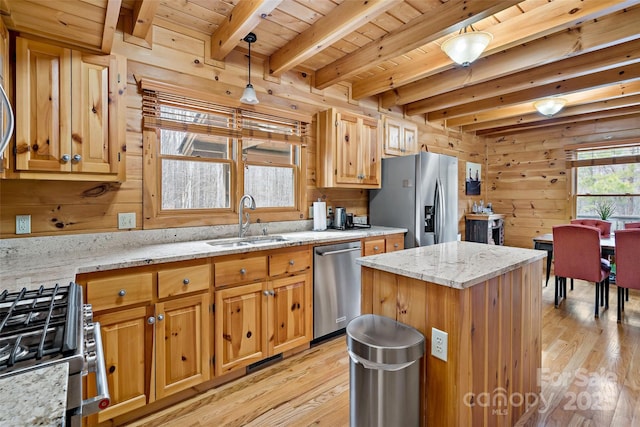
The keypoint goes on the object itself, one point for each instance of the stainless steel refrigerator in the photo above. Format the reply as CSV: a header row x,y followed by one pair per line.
x,y
420,193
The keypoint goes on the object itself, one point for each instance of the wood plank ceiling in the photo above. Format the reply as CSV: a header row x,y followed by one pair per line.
x,y
585,51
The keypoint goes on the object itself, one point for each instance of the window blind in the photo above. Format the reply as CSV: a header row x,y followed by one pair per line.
x,y
604,153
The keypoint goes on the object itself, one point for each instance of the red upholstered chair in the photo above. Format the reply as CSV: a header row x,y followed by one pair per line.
x,y
603,226
630,225
627,265
576,253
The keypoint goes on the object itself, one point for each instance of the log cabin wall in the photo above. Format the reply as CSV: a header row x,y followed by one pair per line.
x,y
527,177
182,57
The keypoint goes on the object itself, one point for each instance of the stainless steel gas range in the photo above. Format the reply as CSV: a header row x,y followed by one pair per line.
x,y
50,325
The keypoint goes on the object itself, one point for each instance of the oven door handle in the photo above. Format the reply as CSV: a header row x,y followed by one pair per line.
x,y
102,400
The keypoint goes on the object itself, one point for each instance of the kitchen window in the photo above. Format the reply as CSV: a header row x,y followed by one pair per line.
x,y
206,156
606,181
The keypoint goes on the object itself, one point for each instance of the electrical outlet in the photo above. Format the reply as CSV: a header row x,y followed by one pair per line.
x,y
23,224
126,220
310,212
439,344
329,210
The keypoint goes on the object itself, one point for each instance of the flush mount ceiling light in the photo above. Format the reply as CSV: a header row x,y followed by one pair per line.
x,y
249,94
549,106
467,46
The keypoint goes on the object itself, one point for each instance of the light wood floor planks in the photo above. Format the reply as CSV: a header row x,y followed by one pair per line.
x,y
591,377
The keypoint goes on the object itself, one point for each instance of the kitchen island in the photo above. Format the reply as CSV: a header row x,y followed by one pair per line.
x,y
488,300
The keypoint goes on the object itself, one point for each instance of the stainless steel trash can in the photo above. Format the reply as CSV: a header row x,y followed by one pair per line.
x,y
384,376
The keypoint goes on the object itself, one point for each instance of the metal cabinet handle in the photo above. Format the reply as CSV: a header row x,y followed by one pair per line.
x,y
122,292
272,293
185,281
243,271
395,245
65,158
160,317
375,248
291,262
266,293
77,157
151,320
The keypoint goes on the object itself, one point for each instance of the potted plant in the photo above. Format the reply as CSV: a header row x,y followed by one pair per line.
x,y
605,208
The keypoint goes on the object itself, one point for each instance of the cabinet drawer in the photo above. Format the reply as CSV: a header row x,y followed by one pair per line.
x,y
119,291
240,270
289,262
395,243
183,280
372,247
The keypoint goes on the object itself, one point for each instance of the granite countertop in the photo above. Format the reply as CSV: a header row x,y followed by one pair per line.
x,y
35,398
454,264
57,259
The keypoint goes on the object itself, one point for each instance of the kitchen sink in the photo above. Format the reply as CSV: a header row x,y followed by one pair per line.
x,y
246,241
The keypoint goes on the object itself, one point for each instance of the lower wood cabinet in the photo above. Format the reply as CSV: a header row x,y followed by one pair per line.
x,y
259,320
382,244
153,347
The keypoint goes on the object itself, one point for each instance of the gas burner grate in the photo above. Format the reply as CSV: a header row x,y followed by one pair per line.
x,y
37,324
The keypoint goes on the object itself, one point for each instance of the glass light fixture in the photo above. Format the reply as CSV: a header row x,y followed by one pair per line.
x,y
549,106
467,46
249,94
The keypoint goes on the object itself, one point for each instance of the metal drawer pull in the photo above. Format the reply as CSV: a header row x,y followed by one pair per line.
x,y
272,292
65,158
243,271
160,317
375,248
77,158
395,245
122,292
151,320
185,281
266,293
291,262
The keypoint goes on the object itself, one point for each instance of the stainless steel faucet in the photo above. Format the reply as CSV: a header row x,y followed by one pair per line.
x,y
241,215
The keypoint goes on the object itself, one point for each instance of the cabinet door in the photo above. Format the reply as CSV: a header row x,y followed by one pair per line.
x,y
5,81
127,342
240,313
410,138
348,150
370,151
393,137
182,343
92,113
290,313
43,119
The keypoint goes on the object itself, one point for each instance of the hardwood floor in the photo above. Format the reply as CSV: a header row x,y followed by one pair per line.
x,y
591,377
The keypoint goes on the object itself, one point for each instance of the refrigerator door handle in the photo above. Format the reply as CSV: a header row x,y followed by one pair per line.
x,y
437,211
443,211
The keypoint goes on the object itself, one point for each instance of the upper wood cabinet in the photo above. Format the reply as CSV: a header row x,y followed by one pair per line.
x,y
349,150
400,137
70,121
5,82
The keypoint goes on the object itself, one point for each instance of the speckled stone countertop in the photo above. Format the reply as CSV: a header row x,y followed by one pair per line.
x,y
35,398
46,261
454,264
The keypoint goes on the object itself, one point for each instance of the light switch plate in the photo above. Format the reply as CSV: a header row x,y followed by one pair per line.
x,y
126,220
439,344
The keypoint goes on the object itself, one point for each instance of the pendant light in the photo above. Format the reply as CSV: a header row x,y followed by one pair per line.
x,y
549,106
249,94
467,46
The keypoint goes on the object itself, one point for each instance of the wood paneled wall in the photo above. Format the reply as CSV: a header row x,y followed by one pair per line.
x,y
529,181
58,207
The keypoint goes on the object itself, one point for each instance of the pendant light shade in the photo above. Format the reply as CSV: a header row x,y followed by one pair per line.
x,y
467,46
249,95
549,106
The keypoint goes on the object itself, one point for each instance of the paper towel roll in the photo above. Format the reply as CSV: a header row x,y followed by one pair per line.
x,y
319,216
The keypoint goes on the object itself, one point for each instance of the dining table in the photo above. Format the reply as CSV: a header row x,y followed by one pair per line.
x,y
544,242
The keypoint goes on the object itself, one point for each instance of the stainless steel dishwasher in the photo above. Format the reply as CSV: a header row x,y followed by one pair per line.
x,y
336,287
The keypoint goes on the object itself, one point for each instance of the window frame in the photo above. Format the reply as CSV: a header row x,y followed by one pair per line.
x,y
573,162
156,217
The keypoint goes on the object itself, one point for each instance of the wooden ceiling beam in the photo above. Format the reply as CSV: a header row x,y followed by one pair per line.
x,y
533,24
341,21
616,113
615,96
241,21
143,13
593,35
628,73
442,20
464,101
110,24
